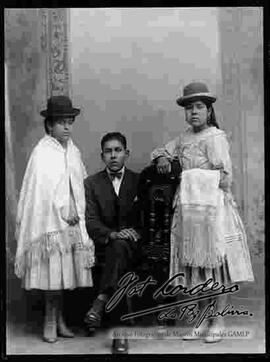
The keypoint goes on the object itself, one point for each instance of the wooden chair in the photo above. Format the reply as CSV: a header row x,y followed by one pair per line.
x,y
156,193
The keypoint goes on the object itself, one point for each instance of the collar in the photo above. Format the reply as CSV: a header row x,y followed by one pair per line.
x,y
122,171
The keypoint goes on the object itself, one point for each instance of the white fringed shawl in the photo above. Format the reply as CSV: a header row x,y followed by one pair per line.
x,y
199,199
45,194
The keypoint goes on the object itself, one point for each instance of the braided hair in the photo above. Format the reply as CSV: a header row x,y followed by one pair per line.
x,y
211,121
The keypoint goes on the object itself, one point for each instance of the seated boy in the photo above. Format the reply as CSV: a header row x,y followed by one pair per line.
x,y
112,220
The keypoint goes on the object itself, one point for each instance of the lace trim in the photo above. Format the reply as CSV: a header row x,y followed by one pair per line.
x,y
194,229
65,241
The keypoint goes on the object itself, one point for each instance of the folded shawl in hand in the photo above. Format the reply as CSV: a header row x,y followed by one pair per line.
x,y
200,201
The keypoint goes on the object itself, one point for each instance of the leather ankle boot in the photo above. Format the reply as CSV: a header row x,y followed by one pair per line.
x,y
62,328
49,331
120,346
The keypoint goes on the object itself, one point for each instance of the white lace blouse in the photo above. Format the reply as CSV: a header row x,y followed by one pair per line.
x,y
208,149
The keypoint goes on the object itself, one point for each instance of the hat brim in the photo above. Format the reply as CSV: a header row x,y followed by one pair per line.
x,y
74,112
182,101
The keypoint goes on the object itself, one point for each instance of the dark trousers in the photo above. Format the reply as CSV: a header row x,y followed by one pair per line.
x,y
121,256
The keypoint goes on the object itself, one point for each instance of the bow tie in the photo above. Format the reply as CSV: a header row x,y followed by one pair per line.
x,y
114,175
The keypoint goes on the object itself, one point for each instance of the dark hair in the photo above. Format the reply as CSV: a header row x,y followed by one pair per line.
x,y
114,136
211,121
48,121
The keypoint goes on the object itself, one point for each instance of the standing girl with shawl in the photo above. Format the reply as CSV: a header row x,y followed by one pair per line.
x,y
54,251
208,240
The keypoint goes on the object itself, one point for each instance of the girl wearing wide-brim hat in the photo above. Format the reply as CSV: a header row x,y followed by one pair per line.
x,y
208,240
54,251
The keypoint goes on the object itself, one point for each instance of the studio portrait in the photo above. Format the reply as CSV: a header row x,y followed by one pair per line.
x,y
134,180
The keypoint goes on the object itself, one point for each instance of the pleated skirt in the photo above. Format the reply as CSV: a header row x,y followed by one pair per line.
x,y
60,270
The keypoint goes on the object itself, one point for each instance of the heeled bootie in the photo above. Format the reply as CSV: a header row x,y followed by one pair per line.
x,y
49,330
62,328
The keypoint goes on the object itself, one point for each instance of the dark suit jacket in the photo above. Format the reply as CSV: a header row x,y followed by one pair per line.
x,y
107,212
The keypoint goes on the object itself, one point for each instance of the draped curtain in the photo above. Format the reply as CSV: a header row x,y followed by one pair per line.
x,y
11,192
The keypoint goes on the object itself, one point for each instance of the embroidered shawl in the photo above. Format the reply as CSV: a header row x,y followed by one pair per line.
x,y
199,199
44,196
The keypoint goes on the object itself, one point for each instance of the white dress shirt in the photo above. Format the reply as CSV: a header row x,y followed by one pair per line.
x,y
117,182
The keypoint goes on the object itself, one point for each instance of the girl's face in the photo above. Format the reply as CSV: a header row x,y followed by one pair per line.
x,y
197,115
62,129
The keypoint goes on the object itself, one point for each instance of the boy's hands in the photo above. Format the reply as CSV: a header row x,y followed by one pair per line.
x,y
127,233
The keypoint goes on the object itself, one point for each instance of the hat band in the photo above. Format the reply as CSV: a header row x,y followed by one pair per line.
x,y
55,111
181,101
209,95
58,112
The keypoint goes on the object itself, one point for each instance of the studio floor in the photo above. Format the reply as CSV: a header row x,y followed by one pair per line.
x,y
27,338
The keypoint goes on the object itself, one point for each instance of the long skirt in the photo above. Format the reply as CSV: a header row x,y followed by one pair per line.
x,y
61,269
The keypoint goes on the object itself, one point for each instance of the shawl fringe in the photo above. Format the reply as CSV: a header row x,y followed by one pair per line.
x,y
199,237
64,241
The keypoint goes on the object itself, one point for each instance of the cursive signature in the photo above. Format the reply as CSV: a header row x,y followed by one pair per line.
x,y
130,285
193,313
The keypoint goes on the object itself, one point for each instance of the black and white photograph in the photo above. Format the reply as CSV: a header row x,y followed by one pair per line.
x,y
134,180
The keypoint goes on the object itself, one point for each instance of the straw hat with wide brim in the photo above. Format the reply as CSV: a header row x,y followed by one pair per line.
x,y
193,91
59,106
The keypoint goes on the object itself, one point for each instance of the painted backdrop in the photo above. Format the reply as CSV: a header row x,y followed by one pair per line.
x,y
126,77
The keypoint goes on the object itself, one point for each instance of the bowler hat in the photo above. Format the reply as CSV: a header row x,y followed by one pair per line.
x,y
59,106
195,90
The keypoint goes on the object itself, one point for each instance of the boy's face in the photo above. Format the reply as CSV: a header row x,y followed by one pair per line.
x,y
114,155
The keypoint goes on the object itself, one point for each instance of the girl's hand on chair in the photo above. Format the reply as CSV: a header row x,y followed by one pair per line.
x,y
163,165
